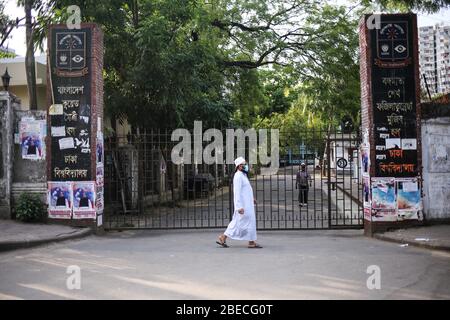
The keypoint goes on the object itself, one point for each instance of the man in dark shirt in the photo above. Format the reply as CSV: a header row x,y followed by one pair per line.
x,y
303,182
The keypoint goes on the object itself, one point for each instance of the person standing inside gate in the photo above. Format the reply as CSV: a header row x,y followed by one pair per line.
x,y
303,182
243,224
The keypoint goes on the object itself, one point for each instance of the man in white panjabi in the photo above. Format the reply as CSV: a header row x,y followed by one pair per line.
x,y
243,224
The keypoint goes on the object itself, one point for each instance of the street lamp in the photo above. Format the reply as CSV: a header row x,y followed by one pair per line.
x,y
5,79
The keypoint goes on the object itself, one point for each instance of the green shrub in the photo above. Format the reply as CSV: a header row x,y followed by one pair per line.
x,y
30,208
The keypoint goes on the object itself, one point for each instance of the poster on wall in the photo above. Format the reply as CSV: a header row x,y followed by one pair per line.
x,y
100,176
365,160
408,215
408,195
100,219
60,200
99,201
84,195
383,193
100,149
366,192
32,139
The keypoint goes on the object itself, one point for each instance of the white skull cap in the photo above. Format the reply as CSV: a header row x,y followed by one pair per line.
x,y
239,161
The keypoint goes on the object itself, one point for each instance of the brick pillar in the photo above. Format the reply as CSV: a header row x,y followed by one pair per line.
x,y
75,118
390,108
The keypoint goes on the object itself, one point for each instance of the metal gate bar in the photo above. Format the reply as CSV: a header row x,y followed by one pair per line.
x,y
145,189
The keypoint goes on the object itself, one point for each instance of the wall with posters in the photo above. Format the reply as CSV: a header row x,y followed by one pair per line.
x,y
75,113
391,148
30,135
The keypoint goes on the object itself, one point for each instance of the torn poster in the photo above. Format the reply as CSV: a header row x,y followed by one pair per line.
x,y
408,195
59,131
56,110
384,215
393,144
66,143
383,193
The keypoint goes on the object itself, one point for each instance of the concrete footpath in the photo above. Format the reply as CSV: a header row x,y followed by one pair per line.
x,y
16,235
431,237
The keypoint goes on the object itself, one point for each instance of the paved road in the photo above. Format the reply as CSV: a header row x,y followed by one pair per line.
x,y
188,265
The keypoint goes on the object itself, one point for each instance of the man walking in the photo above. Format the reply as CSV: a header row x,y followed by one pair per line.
x,y
303,182
243,225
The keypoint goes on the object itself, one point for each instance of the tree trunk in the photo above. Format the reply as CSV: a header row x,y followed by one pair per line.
x,y
30,65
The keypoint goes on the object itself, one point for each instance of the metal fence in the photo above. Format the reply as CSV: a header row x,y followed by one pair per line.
x,y
145,189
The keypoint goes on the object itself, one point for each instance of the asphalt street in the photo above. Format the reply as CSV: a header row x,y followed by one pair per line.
x,y
150,264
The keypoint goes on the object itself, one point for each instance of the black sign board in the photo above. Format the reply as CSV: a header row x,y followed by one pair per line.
x,y
70,120
394,97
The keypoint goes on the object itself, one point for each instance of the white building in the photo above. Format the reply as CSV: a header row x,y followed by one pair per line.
x,y
443,58
434,57
18,85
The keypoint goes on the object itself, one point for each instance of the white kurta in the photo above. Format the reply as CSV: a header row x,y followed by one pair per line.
x,y
242,226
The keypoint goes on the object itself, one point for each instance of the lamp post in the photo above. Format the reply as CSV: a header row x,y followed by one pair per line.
x,y
5,79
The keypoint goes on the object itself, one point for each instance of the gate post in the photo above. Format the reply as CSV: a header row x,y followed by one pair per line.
x,y
390,100
329,177
75,152
6,153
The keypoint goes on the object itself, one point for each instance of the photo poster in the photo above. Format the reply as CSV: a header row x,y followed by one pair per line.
x,y
60,200
32,139
409,200
365,160
366,192
84,205
383,194
100,176
100,173
100,149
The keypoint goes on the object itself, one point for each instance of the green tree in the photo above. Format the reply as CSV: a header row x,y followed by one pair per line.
x,y
328,90
7,24
32,37
170,62
407,5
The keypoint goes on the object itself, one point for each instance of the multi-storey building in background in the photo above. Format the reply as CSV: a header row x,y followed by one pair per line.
x,y
434,58
427,58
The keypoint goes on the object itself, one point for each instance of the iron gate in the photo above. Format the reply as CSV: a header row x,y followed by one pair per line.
x,y
145,189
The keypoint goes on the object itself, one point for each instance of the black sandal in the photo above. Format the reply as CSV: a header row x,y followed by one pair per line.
x,y
223,244
254,246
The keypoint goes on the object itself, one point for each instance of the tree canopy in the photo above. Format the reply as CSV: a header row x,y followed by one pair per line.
x,y
409,5
225,62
